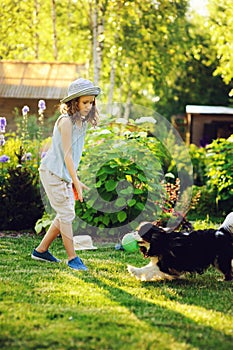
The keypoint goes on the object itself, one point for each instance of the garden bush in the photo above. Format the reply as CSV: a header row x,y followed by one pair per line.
x,y
20,200
127,173
219,169
125,183
213,168
201,206
198,157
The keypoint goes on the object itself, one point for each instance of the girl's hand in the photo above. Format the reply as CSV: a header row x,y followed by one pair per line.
x,y
78,190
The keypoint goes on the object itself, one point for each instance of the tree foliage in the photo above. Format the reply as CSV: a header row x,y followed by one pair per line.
x,y
221,29
146,52
196,81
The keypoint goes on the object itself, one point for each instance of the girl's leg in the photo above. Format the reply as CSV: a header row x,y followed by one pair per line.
x,y
49,237
74,261
64,207
67,237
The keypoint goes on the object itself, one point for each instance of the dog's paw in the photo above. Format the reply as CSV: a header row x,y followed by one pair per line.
x,y
131,269
134,271
140,273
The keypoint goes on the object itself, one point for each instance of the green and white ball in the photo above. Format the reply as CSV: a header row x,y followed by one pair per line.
x,y
129,243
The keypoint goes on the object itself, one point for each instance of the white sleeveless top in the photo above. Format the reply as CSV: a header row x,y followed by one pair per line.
x,y
54,158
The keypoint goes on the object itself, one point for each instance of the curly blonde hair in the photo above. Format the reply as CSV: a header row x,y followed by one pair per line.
x,y
71,108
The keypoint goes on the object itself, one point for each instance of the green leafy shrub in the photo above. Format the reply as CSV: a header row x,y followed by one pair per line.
x,y
21,204
201,204
205,223
20,200
34,130
220,167
43,223
198,157
30,152
124,181
213,169
123,188
169,211
32,126
20,154
219,170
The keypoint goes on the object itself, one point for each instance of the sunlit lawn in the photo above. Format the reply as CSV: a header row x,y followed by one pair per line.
x,y
49,306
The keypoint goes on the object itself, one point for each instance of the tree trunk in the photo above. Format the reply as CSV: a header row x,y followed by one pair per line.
x,y
128,105
95,40
35,25
98,38
55,52
112,83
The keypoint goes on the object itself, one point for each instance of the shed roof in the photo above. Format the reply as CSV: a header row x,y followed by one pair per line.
x,y
48,80
195,109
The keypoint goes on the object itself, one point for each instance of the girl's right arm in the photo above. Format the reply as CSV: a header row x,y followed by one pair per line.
x,y
65,127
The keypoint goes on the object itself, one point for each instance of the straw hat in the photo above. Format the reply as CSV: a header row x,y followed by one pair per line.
x,y
81,87
83,243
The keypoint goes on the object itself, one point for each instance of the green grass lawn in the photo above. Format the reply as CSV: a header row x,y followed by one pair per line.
x,y
50,306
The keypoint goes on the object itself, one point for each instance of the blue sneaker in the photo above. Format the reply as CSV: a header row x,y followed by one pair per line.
x,y
46,256
77,264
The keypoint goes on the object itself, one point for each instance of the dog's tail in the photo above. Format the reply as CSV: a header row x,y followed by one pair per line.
x,y
228,223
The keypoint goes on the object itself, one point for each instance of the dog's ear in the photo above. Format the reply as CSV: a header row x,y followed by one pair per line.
x,y
157,231
158,241
145,231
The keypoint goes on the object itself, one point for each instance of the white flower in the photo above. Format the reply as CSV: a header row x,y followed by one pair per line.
x,y
2,140
42,106
25,110
121,121
145,120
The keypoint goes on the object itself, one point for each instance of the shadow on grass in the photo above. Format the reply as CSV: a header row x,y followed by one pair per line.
x,y
162,306
208,290
163,319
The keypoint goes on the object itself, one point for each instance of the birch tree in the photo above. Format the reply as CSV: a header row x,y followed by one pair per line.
x,y
98,19
53,12
35,26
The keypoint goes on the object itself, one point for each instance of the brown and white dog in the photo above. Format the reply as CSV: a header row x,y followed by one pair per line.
x,y
172,254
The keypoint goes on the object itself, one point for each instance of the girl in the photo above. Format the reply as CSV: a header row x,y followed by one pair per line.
x,y
58,169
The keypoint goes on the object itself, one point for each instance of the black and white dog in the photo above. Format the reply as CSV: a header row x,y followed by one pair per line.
x,y
172,254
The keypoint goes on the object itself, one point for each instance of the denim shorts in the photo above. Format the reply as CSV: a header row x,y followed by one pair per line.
x,y
60,195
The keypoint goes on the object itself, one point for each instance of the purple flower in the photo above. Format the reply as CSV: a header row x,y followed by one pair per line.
x,y
2,140
43,154
42,106
2,124
25,110
4,158
26,156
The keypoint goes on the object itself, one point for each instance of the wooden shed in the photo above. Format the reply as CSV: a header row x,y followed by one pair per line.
x,y
206,123
26,82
